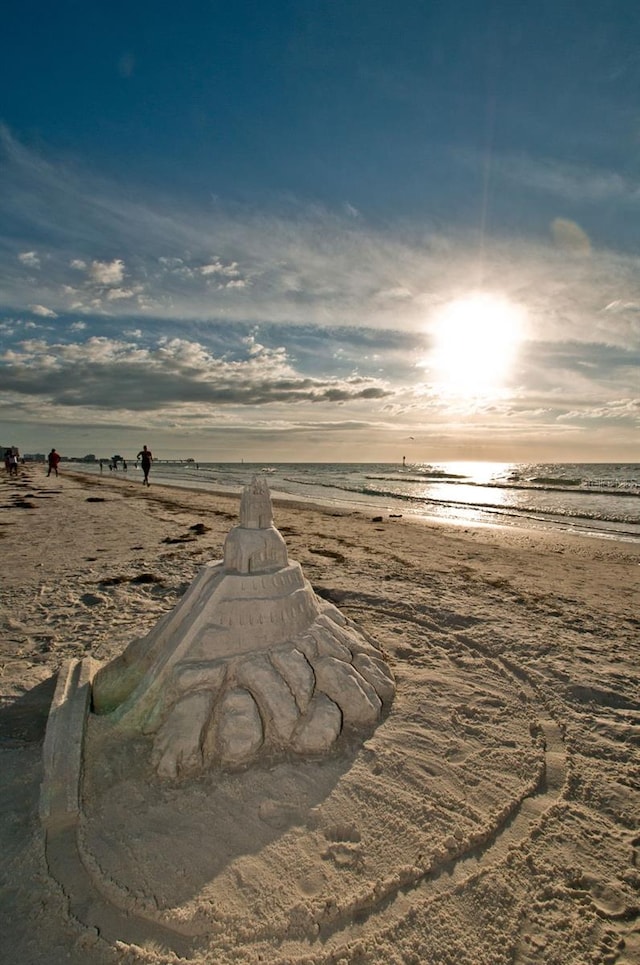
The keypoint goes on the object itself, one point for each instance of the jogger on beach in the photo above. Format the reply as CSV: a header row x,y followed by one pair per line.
x,y
146,459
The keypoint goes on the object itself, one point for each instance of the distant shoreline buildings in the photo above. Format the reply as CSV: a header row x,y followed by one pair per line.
x,y
89,458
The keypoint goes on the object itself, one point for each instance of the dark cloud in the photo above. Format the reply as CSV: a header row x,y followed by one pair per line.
x,y
104,374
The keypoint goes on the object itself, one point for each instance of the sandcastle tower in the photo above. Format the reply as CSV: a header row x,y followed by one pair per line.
x,y
249,664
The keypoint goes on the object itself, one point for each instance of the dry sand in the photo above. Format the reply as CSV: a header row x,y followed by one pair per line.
x,y
491,818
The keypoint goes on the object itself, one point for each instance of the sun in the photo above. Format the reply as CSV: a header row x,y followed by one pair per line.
x,y
475,344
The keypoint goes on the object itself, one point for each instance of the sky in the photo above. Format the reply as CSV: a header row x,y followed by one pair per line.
x,y
321,231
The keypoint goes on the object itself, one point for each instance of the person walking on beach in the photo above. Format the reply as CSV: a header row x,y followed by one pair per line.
x,y
146,459
54,459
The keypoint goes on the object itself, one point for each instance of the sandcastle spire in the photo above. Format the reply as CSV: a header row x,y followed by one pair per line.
x,y
256,511
255,545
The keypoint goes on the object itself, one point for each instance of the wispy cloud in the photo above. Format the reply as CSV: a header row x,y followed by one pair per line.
x,y
43,311
29,258
570,182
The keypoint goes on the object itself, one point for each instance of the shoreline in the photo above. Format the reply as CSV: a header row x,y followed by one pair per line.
x,y
435,508
515,655
509,522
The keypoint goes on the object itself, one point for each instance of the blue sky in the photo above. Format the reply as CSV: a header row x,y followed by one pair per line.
x,y
318,230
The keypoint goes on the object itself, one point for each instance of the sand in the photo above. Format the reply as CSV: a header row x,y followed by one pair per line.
x,y
491,818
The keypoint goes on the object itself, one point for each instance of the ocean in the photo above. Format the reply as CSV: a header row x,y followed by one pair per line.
x,y
589,499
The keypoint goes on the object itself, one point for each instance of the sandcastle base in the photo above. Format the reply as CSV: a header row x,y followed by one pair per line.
x,y
266,855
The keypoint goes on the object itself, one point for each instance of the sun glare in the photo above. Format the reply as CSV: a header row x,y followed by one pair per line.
x,y
475,343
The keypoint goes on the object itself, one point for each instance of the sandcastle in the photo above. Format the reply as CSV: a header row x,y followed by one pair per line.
x,y
250,664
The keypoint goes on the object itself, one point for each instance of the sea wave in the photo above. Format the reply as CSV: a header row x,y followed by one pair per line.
x,y
423,500
497,507
623,487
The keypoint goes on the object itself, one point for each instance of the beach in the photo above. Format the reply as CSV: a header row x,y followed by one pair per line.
x,y
492,817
